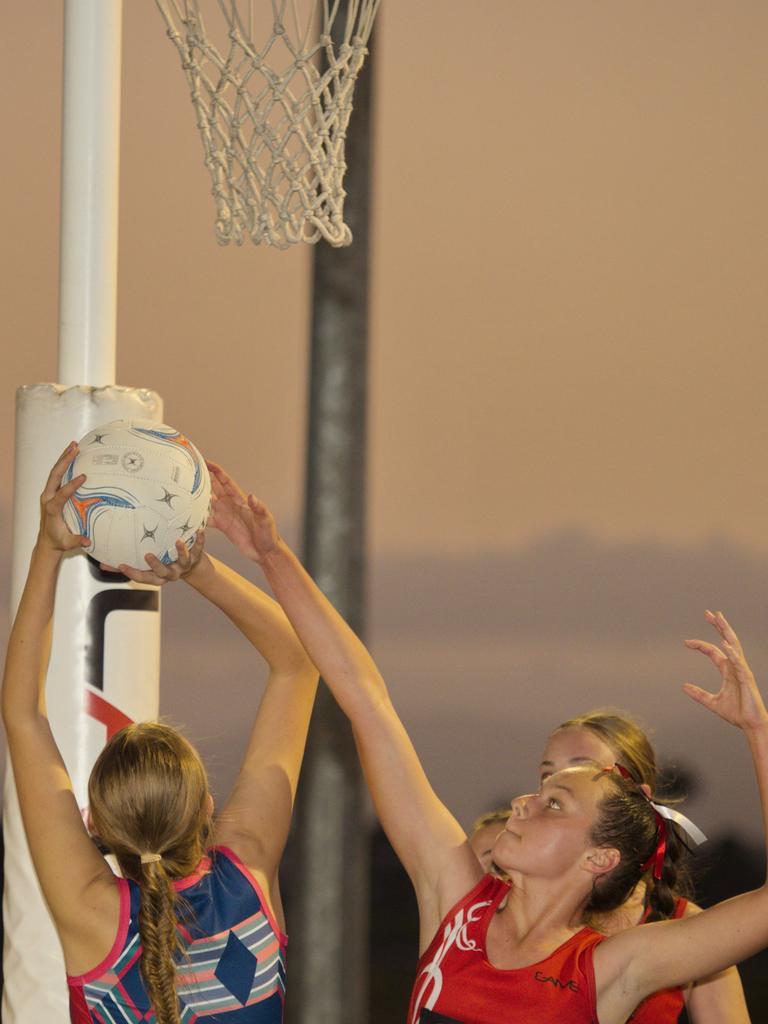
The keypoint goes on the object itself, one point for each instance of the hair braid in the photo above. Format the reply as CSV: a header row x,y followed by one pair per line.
x,y
159,941
149,792
662,893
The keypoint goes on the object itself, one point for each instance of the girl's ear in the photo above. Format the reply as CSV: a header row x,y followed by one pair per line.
x,y
600,860
646,789
209,806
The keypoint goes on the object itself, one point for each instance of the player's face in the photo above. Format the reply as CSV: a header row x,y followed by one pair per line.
x,y
548,833
482,842
568,748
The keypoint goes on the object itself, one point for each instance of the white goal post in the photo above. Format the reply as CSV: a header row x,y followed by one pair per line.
x,y
104,666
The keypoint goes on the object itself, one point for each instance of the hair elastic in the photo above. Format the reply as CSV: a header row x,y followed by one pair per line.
x,y
151,858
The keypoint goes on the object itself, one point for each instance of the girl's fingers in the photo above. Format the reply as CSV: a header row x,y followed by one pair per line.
x,y
159,570
57,502
66,455
710,650
699,695
197,548
54,477
70,541
727,632
715,655
256,506
220,474
723,627
137,575
183,559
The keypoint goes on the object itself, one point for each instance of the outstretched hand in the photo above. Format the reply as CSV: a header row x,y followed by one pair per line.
x,y
738,700
160,573
54,532
241,517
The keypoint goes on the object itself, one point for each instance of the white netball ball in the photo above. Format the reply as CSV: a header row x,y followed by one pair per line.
x,y
146,487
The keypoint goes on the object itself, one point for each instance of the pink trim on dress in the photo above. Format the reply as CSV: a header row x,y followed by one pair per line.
x,y
117,947
231,855
202,869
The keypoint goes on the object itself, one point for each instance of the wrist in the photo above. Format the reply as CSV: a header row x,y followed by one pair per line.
x,y
757,732
45,550
199,572
274,555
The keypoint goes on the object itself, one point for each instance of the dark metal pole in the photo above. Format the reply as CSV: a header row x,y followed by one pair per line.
x,y
328,957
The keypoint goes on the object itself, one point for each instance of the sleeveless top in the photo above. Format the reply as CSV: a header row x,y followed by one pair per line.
x,y
456,984
232,969
666,1006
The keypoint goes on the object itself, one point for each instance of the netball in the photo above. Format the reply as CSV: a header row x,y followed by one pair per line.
x,y
147,487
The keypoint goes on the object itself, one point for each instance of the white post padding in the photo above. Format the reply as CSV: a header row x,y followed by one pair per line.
x,y
90,156
104,669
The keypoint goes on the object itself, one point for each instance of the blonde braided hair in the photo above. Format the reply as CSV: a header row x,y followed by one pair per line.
x,y
148,791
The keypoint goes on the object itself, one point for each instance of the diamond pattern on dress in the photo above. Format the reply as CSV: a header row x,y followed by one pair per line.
x,y
236,968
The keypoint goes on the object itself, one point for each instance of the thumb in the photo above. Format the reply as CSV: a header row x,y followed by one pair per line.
x,y
699,695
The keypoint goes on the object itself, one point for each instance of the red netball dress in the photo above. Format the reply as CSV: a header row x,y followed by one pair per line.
x,y
456,984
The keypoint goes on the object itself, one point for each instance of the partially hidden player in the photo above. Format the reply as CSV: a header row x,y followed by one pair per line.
x,y
583,838
195,928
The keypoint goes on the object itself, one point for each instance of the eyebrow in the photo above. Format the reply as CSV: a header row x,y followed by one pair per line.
x,y
572,760
564,788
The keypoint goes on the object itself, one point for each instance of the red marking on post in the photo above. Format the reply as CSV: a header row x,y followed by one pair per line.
x,y
106,713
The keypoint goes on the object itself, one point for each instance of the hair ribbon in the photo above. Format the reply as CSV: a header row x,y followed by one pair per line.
x,y
663,815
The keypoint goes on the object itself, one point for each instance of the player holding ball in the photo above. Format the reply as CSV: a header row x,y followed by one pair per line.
x,y
195,927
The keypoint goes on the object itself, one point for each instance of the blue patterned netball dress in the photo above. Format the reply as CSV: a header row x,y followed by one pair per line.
x,y
232,969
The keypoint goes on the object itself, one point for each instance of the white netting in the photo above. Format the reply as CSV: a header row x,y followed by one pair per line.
x,y
273,111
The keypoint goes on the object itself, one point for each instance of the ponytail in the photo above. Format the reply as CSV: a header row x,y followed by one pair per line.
x,y
662,893
159,941
628,822
148,791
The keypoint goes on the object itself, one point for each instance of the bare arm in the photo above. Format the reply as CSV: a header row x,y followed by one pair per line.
x,y
631,965
256,818
67,863
718,999
427,838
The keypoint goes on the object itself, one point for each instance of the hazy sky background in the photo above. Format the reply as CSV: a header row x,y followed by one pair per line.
x,y
568,361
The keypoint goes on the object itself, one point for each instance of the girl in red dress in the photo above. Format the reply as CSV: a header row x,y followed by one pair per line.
x,y
607,736
584,839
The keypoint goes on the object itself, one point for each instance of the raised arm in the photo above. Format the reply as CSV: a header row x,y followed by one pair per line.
x,y
718,999
67,863
255,820
427,838
642,960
